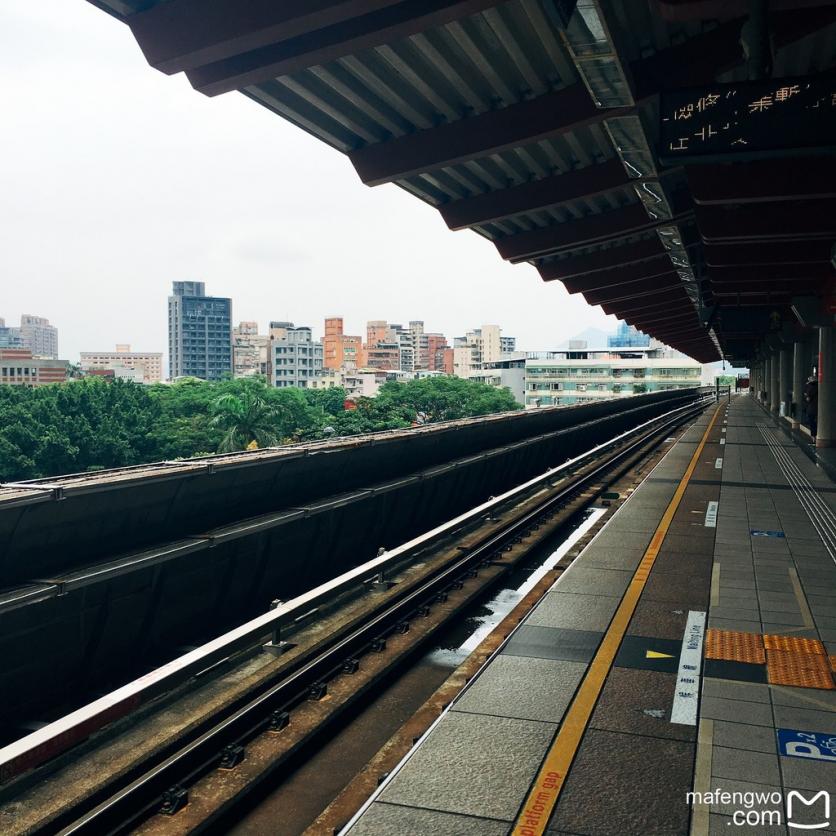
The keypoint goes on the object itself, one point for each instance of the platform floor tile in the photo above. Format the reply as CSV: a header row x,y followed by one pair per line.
x,y
638,701
383,819
724,826
733,735
553,643
473,765
592,580
745,765
626,784
523,687
573,610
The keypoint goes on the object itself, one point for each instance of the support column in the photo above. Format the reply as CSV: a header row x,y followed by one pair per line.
x,y
774,395
784,380
826,435
799,350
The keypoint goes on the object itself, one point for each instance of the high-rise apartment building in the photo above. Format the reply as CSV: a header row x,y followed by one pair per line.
x,y
476,348
144,366
296,358
392,346
383,355
341,350
34,333
199,333
436,348
250,350
9,336
376,332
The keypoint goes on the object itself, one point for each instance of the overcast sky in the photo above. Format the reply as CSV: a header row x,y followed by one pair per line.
x,y
116,179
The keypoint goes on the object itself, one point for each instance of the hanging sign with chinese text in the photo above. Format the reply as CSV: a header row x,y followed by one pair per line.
x,y
748,120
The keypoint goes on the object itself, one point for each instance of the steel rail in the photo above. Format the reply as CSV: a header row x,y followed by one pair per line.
x,y
60,735
202,753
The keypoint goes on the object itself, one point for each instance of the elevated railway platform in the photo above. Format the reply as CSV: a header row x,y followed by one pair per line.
x,y
678,676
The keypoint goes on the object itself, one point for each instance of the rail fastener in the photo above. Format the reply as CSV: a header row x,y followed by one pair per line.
x,y
231,756
174,799
279,720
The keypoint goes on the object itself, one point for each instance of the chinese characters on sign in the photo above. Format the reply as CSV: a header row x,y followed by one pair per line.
x,y
748,119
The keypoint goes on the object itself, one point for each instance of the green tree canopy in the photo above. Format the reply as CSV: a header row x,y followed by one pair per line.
x,y
94,423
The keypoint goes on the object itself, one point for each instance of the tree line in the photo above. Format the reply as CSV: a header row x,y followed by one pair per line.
x,y
94,424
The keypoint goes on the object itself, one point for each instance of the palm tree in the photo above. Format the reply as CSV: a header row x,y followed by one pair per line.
x,y
247,419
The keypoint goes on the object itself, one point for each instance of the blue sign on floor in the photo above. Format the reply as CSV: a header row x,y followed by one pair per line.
x,y
810,745
756,532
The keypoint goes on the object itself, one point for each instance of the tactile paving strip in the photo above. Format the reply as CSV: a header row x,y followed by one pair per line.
x,y
793,644
734,646
832,663
803,670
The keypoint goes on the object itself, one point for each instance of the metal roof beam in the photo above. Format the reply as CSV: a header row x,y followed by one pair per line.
x,y
769,221
356,33
489,133
762,181
772,273
580,265
629,220
620,276
184,34
632,290
579,184
767,253
663,302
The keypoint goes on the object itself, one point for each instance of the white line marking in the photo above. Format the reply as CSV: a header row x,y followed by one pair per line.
x,y
711,515
719,463
686,696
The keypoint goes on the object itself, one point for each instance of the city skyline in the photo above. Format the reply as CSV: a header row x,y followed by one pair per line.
x,y
226,195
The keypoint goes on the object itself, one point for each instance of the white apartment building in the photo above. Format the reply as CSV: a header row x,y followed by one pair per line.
x,y
250,350
140,366
580,376
478,347
39,336
296,358
508,373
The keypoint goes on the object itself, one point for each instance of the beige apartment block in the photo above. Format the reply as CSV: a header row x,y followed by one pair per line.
x,y
149,363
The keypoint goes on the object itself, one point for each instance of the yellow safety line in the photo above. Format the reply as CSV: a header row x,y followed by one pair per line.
x,y
542,798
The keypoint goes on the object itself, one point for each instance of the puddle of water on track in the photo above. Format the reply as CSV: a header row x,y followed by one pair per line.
x,y
459,642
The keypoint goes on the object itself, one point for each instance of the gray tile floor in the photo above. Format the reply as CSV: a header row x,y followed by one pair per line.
x,y
767,584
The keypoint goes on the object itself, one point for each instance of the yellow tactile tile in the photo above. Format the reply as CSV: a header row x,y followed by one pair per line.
x,y
803,670
734,646
832,663
793,644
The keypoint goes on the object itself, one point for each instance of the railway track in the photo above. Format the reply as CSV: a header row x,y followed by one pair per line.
x,y
399,600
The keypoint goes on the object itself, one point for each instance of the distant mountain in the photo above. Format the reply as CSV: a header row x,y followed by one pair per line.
x,y
595,338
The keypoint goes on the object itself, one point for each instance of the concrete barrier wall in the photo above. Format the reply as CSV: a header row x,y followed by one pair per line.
x,y
132,508
94,633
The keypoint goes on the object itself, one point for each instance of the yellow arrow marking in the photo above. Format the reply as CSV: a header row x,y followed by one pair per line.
x,y
655,654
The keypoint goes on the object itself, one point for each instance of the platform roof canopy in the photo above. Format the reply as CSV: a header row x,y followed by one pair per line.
x,y
545,126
